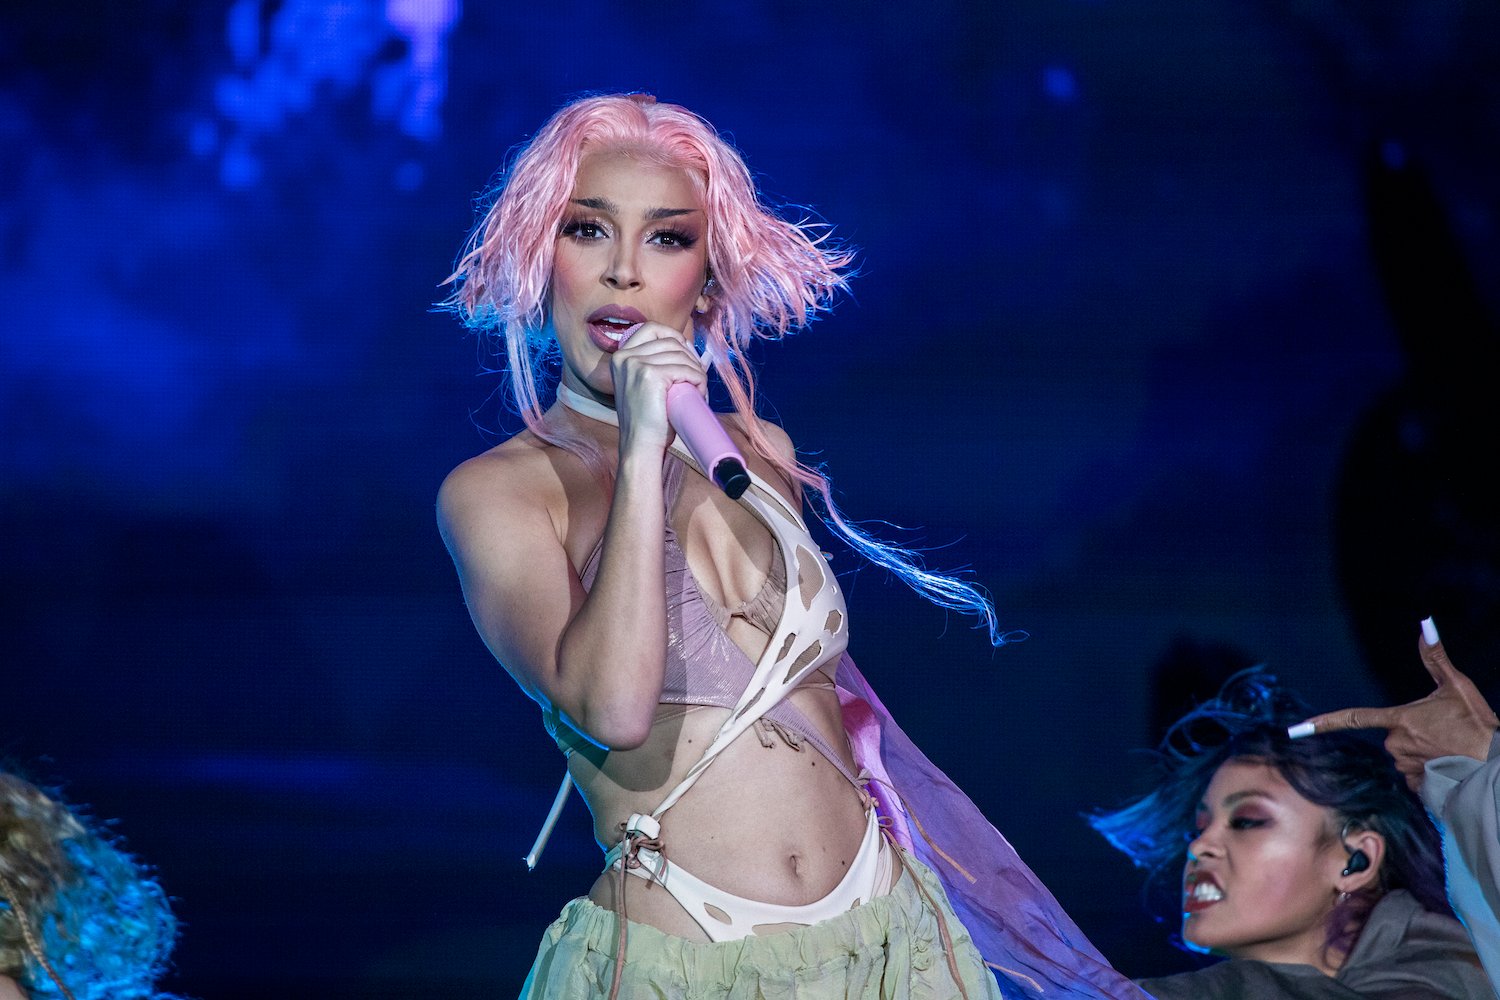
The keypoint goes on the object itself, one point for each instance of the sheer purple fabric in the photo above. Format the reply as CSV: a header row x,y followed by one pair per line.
x,y
1015,922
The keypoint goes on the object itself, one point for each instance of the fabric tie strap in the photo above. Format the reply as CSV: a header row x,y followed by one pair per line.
x,y
639,833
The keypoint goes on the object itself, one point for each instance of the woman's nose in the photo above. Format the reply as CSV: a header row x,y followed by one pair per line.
x,y
621,270
1203,845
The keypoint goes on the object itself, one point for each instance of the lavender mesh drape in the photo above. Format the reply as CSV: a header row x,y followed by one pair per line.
x,y
1014,921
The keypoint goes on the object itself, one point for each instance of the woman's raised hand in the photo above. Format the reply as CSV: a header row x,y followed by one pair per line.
x,y
1455,720
647,364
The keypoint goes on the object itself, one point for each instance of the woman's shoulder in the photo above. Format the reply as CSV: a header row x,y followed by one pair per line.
x,y
774,435
770,432
1404,944
1232,979
512,464
770,429
513,476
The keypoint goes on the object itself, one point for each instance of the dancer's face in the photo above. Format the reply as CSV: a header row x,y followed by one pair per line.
x,y
1261,878
632,248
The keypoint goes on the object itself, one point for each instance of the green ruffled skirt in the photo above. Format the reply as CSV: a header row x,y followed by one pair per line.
x,y
888,949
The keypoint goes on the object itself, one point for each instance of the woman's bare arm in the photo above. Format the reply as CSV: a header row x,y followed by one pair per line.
x,y
596,656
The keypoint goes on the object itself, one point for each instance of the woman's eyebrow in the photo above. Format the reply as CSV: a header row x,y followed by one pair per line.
x,y
1248,793
610,208
597,204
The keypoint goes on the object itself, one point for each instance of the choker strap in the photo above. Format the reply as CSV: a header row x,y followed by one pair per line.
x,y
579,403
583,405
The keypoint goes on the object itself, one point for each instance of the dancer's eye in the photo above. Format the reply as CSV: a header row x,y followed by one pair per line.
x,y
584,229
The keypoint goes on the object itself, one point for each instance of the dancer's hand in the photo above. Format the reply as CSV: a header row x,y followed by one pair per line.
x,y
1455,720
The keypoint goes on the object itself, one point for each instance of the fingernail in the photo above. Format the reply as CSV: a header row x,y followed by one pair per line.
x,y
1429,632
1300,730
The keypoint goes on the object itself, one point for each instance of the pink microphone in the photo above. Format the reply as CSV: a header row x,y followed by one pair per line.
x,y
696,424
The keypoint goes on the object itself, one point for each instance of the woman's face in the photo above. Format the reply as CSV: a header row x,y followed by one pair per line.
x,y
1261,875
632,248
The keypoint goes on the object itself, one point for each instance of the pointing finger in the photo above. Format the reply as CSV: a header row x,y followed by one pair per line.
x,y
1347,718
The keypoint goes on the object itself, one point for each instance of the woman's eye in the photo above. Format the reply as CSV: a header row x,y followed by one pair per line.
x,y
1246,822
673,238
583,230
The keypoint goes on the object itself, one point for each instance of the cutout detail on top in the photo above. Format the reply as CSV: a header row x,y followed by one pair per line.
x,y
809,576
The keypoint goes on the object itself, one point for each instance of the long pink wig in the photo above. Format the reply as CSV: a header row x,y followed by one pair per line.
x,y
771,276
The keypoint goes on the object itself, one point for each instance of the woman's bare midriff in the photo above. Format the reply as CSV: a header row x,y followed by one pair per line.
x,y
777,824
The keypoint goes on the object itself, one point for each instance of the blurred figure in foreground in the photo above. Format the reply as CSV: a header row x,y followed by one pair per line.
x,y
79,918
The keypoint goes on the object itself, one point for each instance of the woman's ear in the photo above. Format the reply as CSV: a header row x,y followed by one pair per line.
x,y
705,298
1366,853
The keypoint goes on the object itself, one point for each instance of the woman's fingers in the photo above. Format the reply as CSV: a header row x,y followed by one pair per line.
x,y
1453,720
690,339
650,332
654,373
1439,667
1452,681
658,345
648,363
1347,718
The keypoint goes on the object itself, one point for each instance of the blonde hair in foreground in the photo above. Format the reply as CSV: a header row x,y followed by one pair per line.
x,y
81,919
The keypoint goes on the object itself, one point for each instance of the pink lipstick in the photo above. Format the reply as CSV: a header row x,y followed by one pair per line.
x,y
610,325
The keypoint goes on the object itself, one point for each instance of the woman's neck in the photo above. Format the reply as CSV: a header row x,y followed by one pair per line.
x,y
599,408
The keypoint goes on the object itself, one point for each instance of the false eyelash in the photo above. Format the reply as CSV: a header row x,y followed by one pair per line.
x,y
684,240
573,227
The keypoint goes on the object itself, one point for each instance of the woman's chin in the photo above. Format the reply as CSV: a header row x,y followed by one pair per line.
x,y
1197,944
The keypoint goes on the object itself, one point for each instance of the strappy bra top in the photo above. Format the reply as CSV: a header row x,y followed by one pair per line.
x,y
806,622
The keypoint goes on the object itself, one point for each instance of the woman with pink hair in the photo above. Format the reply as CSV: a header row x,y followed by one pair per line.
x,y
769,830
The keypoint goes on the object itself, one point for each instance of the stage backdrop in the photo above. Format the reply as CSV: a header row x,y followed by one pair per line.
x,y
1174,325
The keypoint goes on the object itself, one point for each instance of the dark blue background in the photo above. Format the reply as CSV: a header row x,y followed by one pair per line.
x,y
1175,324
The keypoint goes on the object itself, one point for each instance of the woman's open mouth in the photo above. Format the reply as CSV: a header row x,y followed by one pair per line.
x,y
610,326
1199,893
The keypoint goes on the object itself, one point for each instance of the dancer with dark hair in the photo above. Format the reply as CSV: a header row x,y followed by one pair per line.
x,y
1307,863
79,918
770,828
